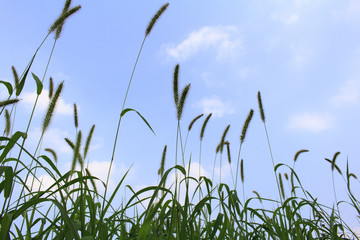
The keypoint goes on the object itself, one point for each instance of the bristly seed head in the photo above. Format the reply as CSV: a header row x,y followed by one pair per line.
x,y
246,125
7,123
162,164
51,87
193,121
182,101
51,107
176,85
16,76
155,18
53,153
223,138
298,153
76,122
261,107
228,151
203,126
59,23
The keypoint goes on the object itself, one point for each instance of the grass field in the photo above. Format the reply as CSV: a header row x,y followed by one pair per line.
x,y
179,207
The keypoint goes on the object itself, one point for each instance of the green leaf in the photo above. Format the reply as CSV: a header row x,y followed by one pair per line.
x,y
8,86
11,143
7,183
39,85
20,87
130,109
5,225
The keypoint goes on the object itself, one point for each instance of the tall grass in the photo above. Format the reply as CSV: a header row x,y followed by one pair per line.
x,y
73,208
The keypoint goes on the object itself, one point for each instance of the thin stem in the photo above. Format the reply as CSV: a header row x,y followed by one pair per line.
x,y
119,122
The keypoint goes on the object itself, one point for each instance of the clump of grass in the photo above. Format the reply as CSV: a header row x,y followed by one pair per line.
x,y
73,208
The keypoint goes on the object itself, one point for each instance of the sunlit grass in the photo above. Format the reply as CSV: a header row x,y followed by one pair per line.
x,y
181,206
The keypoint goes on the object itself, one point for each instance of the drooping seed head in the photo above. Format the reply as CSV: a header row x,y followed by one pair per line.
x,y
8,102
223,138
193,121
155,18
298,153
53,153
204,126
258,196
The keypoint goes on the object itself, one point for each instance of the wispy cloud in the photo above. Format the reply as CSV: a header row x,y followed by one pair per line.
x,y
225,40
28,98
312,122
53,138
215,106
348,93
285,18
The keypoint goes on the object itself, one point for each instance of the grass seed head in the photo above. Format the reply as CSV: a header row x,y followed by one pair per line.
x,y
204,126
228,151
193,121
298,153
182,101
223,138
16,76
88,140
246,125
162,163
51,87
262,114
51,107
76,122
53,153
155,18
176,85
8,102
7,123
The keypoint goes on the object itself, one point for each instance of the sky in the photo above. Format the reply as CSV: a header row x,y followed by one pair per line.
x,y
303,56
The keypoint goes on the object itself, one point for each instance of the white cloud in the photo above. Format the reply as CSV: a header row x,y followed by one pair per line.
x,y
348,93
42,183
312,122
215,106
223,39
28,98
53,138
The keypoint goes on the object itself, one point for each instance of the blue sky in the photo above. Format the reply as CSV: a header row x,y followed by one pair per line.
x,y
302,55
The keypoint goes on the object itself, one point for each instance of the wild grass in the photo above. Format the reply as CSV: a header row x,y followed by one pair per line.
x,y
73,208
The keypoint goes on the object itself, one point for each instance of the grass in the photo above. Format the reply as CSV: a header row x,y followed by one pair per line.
x,y
73,208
